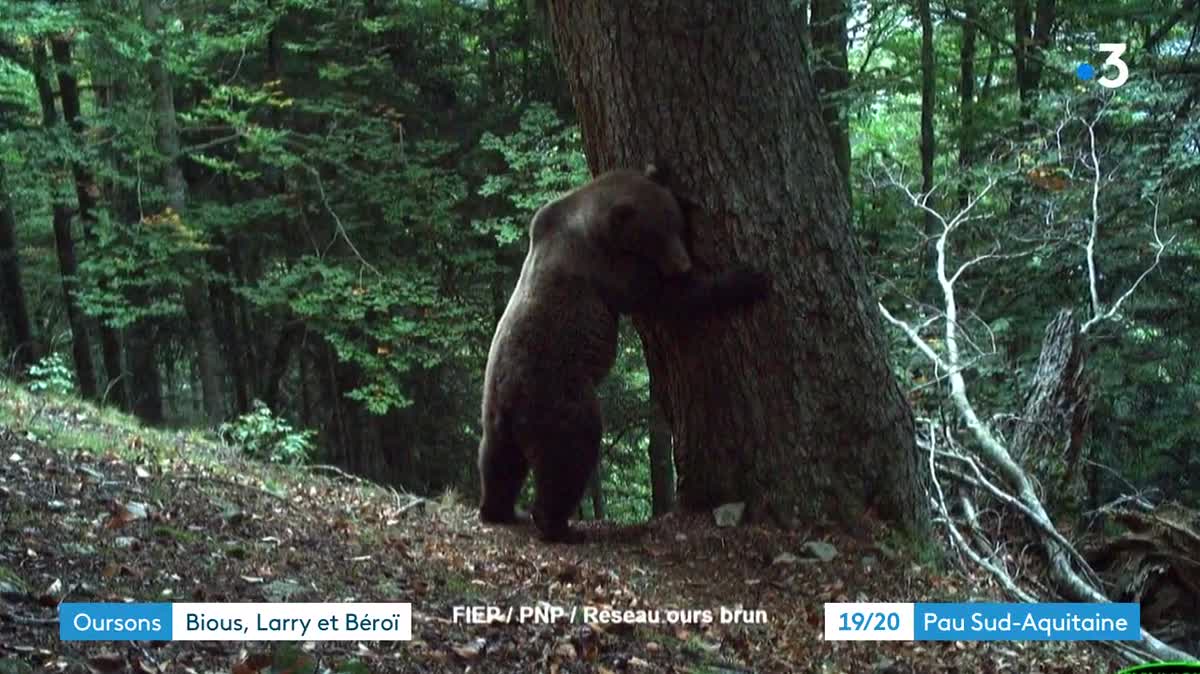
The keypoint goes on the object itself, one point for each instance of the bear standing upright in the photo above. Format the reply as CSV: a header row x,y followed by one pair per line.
x,y
613,246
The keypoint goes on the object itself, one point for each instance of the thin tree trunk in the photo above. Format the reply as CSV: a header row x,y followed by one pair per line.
x,y
928,139
1033,34
1021,40
20,348
144,373
289,339
1043,38
596,492
790,406
832,75
64,247
662,470
145,379
233,337
195,295
250,345
86,192
966,100
64,244
228,333
305,385
332,390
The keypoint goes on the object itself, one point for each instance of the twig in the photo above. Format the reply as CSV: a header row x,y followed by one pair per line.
x,y
341,229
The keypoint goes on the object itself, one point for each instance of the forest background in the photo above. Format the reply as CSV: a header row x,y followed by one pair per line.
x,y
296,222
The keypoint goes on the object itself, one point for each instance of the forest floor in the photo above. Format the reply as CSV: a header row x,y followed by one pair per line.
x,y
97,509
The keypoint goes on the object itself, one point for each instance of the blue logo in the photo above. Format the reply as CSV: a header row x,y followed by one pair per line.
x,y
114,622
1085,72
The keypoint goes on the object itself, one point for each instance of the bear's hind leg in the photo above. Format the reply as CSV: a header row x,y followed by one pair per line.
x,y
502,469
561,474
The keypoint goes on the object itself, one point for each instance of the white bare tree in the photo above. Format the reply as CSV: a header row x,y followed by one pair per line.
x,y
987,465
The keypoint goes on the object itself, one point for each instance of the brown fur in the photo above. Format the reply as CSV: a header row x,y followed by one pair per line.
x,y
612,246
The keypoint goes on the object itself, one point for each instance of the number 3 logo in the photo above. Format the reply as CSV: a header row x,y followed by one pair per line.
x,y
1115,50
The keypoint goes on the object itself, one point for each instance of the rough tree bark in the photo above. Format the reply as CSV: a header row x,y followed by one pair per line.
x,y
789,406
86,192
195,295
64,242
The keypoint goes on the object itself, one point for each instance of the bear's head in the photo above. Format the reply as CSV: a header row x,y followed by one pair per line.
x,y
647,221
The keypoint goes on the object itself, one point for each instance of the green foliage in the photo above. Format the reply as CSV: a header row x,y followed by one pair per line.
x,y
362,316
262,435
139,271
51,374
544,158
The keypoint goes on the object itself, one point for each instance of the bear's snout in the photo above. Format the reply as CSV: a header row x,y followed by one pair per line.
x,y
675,260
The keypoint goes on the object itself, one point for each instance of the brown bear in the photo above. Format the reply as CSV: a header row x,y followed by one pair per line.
x,y
613,246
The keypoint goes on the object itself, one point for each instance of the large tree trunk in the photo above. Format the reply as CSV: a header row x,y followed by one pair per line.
x,y
20,347
86,192
832,75
195,295
64,242
790,406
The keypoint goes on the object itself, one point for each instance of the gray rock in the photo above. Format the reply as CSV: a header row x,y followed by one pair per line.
x,y
820,550
124,542
730,514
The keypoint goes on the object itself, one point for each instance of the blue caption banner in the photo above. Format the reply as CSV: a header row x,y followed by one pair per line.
x,y
114,622
1027,622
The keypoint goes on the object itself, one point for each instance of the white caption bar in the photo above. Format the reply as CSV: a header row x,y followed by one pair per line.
x,y
291,622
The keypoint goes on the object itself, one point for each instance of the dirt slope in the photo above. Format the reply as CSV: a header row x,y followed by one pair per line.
x,y
95,509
